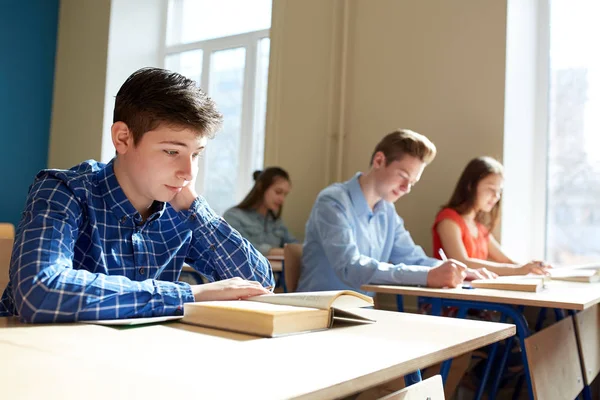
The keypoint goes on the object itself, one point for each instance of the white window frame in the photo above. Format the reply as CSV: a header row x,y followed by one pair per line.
x,y
525,157
248,161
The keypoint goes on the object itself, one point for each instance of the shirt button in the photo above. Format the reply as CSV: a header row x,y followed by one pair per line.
x,y
142,271
192,217
212,247
123,219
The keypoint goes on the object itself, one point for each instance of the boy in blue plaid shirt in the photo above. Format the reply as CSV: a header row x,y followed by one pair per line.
x,y
107,241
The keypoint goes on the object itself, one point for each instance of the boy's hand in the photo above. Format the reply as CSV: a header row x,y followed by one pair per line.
x,y
450,273
184,199
228,289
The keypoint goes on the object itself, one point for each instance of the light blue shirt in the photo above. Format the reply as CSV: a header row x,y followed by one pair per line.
x,y
348,245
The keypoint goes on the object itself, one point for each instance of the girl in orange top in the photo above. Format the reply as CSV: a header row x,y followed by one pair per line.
x,y
463,228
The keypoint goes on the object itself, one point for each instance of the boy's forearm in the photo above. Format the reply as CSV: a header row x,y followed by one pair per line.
x,y
230,253
61,294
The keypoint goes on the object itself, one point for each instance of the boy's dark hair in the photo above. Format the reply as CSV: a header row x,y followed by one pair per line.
x,y
263,181
405,142
151,96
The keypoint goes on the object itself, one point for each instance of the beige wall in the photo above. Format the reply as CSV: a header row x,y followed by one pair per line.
x,y
303,98
436,67
80,77
343,73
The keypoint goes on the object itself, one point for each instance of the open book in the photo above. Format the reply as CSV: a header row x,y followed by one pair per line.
x,y
274,315
519,283
575,274
534,283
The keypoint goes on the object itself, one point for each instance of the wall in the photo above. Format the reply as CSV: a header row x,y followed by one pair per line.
x,y
301,133
100,43
78,102
28,46
364,68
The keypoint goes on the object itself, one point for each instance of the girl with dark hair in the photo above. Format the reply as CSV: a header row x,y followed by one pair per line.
x,y
258,216
463,228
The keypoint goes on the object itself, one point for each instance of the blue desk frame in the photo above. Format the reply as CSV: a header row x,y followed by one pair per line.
x,y
506,312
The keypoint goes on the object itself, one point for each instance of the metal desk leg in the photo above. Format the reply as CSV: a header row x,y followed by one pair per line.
x,y
412,378
512,313
282,277
436,306
400,303
541,318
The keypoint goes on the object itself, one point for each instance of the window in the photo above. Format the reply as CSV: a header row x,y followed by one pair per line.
x,y
573,181
224,46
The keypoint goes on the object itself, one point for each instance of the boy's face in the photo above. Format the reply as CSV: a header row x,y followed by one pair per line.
x,y
163,162
396,179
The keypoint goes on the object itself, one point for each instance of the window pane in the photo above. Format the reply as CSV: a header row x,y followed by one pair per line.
x,y
188,64
573,220
195,20
262,77
226,84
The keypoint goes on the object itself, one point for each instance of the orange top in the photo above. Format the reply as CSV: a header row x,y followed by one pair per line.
x,y
477,247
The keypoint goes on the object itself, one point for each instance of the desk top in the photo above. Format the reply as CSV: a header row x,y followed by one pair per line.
x,y
557,294
175,359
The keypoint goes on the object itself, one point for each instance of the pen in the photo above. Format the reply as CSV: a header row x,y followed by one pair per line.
x,y
442,255
444,258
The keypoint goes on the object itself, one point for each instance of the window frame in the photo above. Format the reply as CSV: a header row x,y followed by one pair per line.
x,y
250,41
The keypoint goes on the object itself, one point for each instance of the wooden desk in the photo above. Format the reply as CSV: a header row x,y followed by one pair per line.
x,y
72,361
558,294
570,296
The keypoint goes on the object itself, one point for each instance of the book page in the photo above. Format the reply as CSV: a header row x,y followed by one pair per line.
x,y
595,267
504,283
322,300
133,321
569,272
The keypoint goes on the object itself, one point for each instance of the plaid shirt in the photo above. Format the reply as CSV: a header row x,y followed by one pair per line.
x,y
82,251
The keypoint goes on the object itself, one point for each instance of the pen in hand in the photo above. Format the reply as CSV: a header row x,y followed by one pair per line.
x,y
444,258
442,255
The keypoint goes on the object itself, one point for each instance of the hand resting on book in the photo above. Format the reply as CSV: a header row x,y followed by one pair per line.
x,y
228,289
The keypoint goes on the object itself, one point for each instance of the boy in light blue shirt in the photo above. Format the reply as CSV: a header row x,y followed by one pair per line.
x,y
355,237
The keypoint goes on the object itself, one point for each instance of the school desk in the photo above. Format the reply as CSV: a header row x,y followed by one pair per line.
x,y
580,300
175,360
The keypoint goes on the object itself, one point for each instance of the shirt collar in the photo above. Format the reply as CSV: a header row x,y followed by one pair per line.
x,y
358,197
117,201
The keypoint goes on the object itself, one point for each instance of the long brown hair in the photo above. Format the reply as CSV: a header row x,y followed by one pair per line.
x,y
263,181
465,192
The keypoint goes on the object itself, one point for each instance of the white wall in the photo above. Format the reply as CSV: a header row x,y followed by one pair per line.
x,y
136,31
